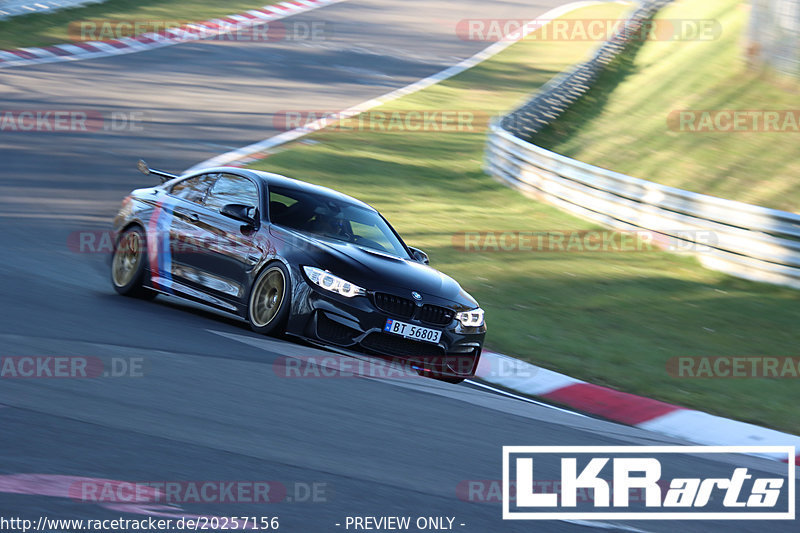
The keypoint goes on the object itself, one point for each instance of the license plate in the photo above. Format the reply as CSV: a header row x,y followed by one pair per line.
x,y
410,331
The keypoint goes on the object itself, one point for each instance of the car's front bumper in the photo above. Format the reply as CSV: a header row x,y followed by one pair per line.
x,y
358,324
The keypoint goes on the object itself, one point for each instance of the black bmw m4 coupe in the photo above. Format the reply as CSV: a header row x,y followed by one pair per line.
x,y
295,258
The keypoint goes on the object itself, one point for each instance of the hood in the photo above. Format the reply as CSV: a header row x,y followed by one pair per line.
x,y
374,270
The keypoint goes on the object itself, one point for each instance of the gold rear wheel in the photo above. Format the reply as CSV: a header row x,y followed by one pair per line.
x,y
128,265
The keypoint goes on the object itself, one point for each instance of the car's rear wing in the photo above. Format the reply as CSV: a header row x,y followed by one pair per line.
x,y
146,170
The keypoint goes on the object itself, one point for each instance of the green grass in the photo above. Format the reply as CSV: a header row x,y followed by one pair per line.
x,y
622,123
610,318
42,29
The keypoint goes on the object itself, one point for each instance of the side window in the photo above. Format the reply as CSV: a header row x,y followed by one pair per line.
x,y
279,205
370,235
193,189
230,189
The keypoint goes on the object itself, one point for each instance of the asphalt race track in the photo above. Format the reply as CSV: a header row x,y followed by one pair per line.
x,y
209,402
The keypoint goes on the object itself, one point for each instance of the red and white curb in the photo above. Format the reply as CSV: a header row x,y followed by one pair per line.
x,y
15,8
664,418
148,41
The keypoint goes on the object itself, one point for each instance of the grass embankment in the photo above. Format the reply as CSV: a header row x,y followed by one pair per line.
x,y
610,318
43,29
624,122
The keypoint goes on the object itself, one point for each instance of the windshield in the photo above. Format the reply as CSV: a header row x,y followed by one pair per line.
x,y
332,218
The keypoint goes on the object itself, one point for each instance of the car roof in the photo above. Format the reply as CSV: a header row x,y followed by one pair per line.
x,y
282,181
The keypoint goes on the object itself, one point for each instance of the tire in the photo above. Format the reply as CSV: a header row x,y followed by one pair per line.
x,y
270,300
450,379
129,274
438,376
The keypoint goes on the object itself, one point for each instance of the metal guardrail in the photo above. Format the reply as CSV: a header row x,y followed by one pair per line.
x,y
773,35
740,239
561,92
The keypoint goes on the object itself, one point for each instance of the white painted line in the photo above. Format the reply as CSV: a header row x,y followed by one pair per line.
x,y
604,525
288,136
522,398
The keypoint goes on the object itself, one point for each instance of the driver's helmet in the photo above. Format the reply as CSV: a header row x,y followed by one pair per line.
x,y
329,224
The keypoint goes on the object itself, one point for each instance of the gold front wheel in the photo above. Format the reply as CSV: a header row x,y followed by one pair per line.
x,y
127,259
267,297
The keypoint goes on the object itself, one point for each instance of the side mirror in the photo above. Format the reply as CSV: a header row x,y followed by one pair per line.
x,y
239,212
419,255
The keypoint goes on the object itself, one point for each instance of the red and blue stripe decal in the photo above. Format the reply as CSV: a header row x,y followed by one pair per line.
x,y
159,248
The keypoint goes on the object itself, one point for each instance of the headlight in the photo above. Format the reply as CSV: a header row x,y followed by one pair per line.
x,y
473,318
332,283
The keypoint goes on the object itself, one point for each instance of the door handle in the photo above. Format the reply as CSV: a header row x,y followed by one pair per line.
x,y
191,217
